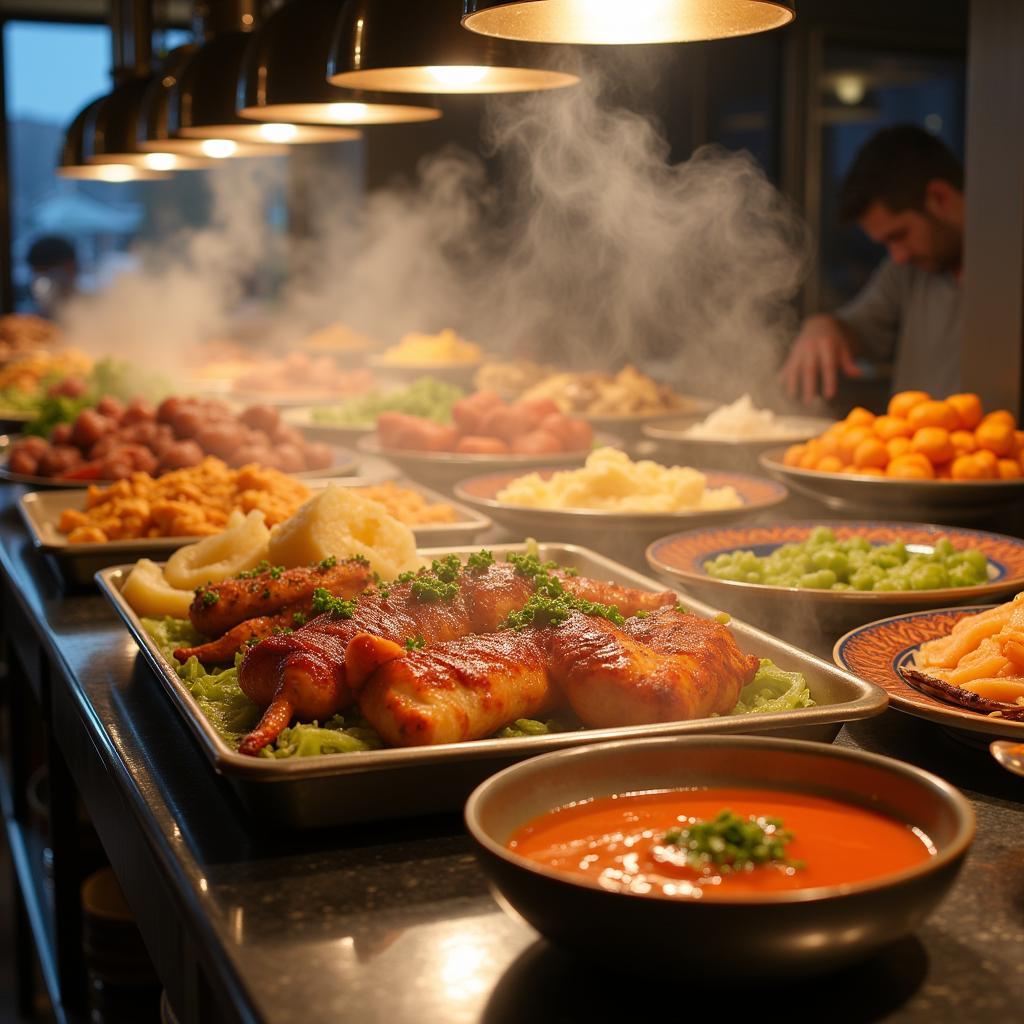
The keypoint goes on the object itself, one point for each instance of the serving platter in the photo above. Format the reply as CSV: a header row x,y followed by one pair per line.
x,y
344,464
731,453
621,533
454,373
445,469
304,417
680,559
394,783
633,426
41,511
876,653
926,500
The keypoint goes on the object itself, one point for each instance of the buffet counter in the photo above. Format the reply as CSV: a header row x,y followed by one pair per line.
x,y
390,922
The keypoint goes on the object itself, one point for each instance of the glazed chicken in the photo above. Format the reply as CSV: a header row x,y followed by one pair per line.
x,y
222,606
668,666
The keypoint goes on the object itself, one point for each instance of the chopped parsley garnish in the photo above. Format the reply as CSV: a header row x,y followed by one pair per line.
x,y
276,572
266,594
324,602
358,559
299,619
256,570
405,577
429,588
730,843
282,630
328,563
682,609
551,604
446,569
415,643
479,562
209,598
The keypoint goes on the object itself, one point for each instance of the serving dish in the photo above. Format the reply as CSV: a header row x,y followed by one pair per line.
x,y
633,426
41,511
877,651
344,464
395,783
622,533
456,373
741,454
680,559
927,500
772,935
332,433
446,469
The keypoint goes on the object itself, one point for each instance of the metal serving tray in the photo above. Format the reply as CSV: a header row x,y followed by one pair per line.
x,y
80,562
340,788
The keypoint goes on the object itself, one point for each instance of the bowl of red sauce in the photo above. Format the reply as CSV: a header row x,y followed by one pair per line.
x,y
768,857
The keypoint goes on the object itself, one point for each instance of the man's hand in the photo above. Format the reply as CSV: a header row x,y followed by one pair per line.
x,y
822,349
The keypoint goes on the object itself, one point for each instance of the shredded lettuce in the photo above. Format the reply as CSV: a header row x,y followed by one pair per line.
x,y
773,689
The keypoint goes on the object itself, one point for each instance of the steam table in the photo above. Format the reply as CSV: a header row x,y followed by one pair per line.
x,y
392,922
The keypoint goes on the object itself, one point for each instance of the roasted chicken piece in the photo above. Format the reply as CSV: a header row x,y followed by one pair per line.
x,y
665,667
316,671
224,648
220,606
464,689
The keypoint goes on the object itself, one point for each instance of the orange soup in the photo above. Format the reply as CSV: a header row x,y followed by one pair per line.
x,y
658,843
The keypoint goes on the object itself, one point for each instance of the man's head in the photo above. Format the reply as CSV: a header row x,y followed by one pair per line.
x,y
905,190
51,252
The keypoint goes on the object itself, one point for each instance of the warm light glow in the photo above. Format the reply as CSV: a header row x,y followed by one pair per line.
x,y
457,76
616,21
850,89
278,132
114,173
347,111
160,161
219,149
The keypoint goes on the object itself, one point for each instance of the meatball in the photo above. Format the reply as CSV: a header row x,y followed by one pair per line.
x,y
246,453
290,458
181,454
318,456
188,421
89,427
59,460
35,446
473,444
61,434
69,387
285,434
536,442
138,411
23,462
169,407
111,407
261,417
219,439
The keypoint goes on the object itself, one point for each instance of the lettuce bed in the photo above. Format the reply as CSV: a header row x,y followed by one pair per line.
x,y
232,714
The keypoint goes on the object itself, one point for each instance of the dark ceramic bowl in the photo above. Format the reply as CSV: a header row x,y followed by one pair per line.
x,y
770,935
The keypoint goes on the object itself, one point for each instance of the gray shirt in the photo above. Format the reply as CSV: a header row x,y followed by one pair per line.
x,y
912,318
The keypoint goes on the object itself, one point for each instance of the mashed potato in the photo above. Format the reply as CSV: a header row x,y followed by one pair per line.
x,y
740,421
611,481
344,524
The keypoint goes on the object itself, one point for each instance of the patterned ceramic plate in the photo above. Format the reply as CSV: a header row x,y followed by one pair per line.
x,y
682,557
877,651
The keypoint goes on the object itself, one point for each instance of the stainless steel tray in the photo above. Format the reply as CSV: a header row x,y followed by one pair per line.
x,y
342,788
79,563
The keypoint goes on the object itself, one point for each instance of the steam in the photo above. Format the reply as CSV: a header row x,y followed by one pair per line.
x,y
592,250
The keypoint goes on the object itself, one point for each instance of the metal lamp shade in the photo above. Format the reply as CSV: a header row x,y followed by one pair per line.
x,y
77,149
152,126
275,85
418,47
202,104
624,21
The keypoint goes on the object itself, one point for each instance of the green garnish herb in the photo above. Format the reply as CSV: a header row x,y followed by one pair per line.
x,y
266,594
446,569
415,643
429,588
256,570
324,602
724,618
641,614
479,562
729,843
551,604
210,598
358,559
682,609
299,619
328,563
405,577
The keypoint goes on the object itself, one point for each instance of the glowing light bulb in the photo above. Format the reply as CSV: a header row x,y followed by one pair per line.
x,y
116,172
219,149
278,132
458,76
347,111
850,89
160,161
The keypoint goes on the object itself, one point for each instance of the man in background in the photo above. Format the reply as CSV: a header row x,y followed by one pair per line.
x,y
905,191
54,267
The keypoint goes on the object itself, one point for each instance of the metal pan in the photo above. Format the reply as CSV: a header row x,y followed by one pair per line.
x,y
78,563
378,784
